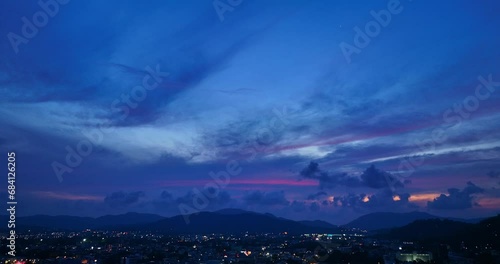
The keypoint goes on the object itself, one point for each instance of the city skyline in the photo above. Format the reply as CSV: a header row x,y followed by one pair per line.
x,y
309,110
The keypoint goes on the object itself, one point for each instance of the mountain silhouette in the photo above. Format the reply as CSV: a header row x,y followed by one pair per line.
x,y
223,221
384,220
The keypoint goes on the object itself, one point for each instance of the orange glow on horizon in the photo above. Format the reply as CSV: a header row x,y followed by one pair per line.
x,y
493,203
423,197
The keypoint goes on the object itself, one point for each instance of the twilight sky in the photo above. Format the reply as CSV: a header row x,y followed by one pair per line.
x,y
306,109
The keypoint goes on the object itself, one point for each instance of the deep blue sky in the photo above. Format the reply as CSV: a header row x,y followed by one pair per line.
x,y
263,90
